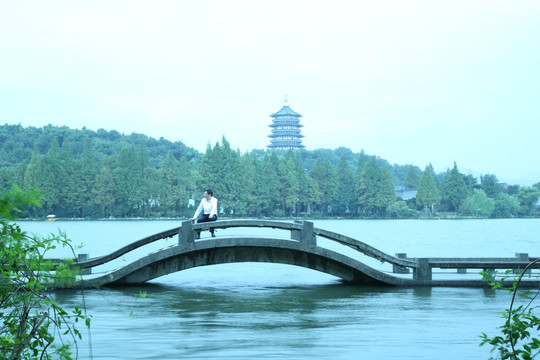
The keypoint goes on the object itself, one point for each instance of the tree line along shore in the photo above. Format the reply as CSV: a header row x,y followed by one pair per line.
x,y
105,174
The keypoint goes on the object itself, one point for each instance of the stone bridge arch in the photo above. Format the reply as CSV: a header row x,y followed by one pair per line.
x,y
236,250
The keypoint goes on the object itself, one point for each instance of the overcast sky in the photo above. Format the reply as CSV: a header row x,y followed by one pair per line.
x,y
414,82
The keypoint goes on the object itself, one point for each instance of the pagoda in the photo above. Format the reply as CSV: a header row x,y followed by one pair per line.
x,y
285,129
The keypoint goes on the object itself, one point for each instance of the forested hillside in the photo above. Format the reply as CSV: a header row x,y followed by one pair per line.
x,y
96,174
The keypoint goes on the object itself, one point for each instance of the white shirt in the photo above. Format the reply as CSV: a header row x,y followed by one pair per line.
x,y
208,206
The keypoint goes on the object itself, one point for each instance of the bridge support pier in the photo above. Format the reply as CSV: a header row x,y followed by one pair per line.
x,y
306,235
399,269
423,271
82,258
186,235
523,257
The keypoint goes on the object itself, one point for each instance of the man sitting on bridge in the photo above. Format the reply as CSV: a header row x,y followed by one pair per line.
x,y
208,206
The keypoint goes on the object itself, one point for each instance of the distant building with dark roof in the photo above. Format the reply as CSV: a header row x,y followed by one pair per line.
x,y
285,129
405,193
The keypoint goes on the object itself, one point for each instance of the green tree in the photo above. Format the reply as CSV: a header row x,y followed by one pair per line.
x,y
376,188
454,190
363,159
53,177
399,210
249,200
269,184
104,190
428,194
505,206
32,174
127,180
302,178
72,189
31,319
88,172
345,199
512,189
412,179
325,175
471,183
222,172
6,178
174,184
528,197
291,186
479,204
490,185
314,195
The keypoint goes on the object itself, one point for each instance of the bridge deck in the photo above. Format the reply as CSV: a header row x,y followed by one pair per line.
x,y
301,249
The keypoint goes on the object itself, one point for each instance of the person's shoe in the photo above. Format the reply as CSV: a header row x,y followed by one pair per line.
x,y
213,235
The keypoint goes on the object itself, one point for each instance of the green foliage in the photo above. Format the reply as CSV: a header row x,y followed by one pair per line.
x,y
491,185
454,189
520,332
398,210
506,206
325,176
479,204
528,197
87,174
428,193
345,198
30,319
412,179
376,188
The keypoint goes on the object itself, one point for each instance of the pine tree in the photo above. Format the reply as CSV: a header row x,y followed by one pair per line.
x,y
71,191
363,159
325,175
269,184
248,203
412,179
428,194
376,188
88,172
170,189
104,190
454,189
128,179
345,197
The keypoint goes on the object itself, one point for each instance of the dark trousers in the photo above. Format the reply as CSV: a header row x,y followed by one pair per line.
x,y
206,218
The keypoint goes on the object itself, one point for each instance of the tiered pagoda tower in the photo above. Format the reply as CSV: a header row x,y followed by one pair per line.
x,y
286,129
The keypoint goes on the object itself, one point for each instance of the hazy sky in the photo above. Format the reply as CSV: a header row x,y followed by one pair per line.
x,y
414,82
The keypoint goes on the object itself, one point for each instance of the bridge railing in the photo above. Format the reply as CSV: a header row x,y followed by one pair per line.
x,y
305,232
302,231
424,270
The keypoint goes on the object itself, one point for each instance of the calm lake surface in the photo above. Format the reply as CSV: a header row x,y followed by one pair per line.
x,y
273,311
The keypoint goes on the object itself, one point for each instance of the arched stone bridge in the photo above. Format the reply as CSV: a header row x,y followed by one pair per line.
x,y
300,250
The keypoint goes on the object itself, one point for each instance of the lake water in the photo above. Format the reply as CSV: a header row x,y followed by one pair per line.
x,y
272,311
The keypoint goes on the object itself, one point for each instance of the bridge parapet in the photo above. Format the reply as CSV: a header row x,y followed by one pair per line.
x,y
303,250
426,265
302,231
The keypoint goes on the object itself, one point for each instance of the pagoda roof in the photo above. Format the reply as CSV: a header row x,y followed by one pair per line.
x,y
286,110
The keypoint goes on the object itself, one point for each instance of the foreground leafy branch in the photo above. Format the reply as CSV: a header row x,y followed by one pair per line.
x,y
519,334
32,324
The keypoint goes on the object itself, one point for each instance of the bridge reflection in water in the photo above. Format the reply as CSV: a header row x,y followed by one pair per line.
x,y
301,249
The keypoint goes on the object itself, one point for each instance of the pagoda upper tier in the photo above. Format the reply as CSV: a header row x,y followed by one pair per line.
x,y
285,129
